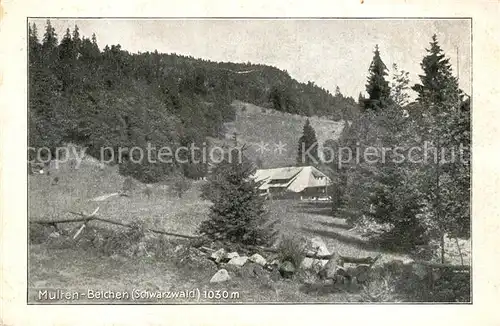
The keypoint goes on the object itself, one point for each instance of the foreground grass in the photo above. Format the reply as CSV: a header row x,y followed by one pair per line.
x,y
78,270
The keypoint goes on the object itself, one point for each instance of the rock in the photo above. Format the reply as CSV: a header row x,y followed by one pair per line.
x,y
307,263
232,269
313,264
221,276
256,258
330,269
272,265
238,261
259,271
319,246
231,255
275,262
218,255
287,269
54,235
252,270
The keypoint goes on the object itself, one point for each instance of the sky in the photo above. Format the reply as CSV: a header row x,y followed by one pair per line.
x,y
329,52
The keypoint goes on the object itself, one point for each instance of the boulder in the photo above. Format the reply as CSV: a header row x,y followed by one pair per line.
x,y
232,269
256,258
252,270
54,235
218,255
238,261
231,255
221,276
313,264
319,247
330,269
287,269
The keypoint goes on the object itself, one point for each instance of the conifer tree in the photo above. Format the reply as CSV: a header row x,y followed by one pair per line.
x,y
308,146
444,123
237,214
377,87
49,45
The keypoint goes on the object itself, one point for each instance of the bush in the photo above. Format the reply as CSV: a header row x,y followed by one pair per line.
x,y
237,214
292,249
128,185
181,185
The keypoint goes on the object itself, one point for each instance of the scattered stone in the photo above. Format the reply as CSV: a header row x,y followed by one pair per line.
x,y
221,276
307,263
319,246
54,235
256,258
259,271
238,261
232,269
275,262
287,269
218,255
231,255
313,264
251,270
178,248
330,269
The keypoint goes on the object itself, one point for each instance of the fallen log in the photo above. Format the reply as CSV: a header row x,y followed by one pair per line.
x,y
440,265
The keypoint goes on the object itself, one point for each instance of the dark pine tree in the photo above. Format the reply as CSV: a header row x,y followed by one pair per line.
x,y
377,87
237,214
444,120
308,146
49,46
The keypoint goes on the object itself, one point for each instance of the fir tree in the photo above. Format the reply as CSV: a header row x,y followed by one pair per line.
x,y
49,45
444,123
237,214
308,146
377,87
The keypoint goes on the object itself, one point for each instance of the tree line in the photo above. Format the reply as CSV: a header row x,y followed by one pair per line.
x,y
113,98
422,200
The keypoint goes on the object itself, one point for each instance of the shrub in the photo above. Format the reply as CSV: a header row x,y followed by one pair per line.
x,y
237,214
292,249
380,290
128,185
148,191
180,185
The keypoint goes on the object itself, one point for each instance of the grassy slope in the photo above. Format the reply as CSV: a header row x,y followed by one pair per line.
x,y
254,124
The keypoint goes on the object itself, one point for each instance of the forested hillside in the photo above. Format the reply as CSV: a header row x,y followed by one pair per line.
x,y
110,97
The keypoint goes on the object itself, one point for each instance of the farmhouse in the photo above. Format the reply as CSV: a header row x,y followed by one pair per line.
x,y
302,181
